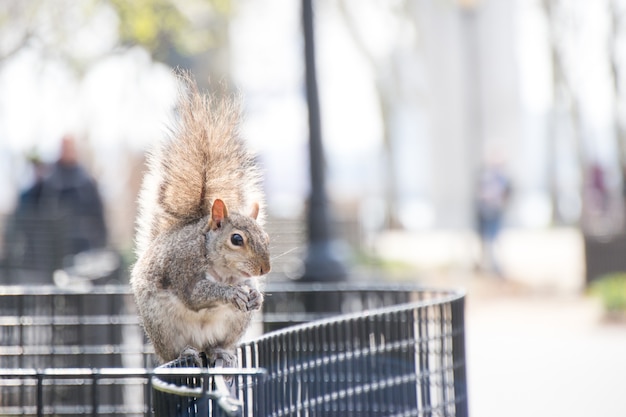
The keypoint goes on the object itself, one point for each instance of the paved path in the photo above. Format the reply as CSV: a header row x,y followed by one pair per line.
x,y
542,355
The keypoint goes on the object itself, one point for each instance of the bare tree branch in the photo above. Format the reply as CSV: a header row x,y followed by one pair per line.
x,y
564,96
616,19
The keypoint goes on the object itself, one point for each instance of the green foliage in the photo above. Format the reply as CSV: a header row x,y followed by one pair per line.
x,y
370,261
611,289
187,27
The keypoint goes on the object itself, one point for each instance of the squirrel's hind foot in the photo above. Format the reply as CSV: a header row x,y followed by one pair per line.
x,y
191,356
228,358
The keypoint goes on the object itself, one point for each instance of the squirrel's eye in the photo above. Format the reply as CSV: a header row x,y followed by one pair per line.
x,y
236,239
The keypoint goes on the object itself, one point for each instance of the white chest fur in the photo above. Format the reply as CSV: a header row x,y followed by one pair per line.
x,y
206,327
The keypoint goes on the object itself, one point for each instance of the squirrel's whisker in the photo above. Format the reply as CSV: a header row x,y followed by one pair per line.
x,y
284,253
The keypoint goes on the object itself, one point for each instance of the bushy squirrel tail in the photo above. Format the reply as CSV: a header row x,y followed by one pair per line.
x,y
203,159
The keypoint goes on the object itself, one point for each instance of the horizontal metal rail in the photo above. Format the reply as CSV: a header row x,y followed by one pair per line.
x,y
349,350
400,359
40,379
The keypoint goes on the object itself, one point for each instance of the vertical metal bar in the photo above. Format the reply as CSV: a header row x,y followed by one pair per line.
x,y
242,380
322,374
301,357
366,361
437,345
279,387
408,360
111,311
342,364
423,358
40,404
391,364
21,329
148,397
291,367
94,392
246,383
450,358
278,359
303,377
377,357
426,347
260,352
442,356
81,331
258,393
55,391
336,365
204,404
352,368
458,355
259,397
55,328
324,378
268,361
20,356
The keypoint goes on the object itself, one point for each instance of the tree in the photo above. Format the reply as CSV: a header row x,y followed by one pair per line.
x,y
565,98
390,84
16,26
57,30
168,29
615,41
171,29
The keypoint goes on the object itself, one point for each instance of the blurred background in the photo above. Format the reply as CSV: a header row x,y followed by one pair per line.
x,y
470,143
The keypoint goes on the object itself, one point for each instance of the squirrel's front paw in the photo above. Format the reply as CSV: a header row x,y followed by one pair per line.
x,y
246,298
255,299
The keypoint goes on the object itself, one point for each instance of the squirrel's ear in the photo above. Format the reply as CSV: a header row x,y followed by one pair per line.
x,y
255,210
218,213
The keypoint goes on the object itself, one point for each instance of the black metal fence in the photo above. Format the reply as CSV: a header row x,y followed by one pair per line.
x,y
57,346
373,351
73,392
395,360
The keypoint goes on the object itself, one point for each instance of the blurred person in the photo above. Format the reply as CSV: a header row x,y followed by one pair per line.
x,y
30,196
60,214
19,239
598,189
493,194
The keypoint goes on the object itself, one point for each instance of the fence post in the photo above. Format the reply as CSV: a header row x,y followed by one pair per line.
x,y
458,357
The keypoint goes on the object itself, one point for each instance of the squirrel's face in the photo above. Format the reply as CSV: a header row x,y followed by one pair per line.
x,y
238,247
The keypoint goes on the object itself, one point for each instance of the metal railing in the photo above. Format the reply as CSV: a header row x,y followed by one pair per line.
x,y
64,350
373,351
73,391
396,360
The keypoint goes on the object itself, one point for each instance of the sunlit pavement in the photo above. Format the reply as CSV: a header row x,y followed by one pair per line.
x,y
536,344
541,354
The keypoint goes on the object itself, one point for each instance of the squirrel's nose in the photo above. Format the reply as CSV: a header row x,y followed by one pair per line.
x,y
265,268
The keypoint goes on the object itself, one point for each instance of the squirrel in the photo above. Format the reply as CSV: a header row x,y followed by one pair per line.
x,y
200,244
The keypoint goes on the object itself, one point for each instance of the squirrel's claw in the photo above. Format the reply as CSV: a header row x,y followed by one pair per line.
x,y
229,358
191,353
240,298
255,300
247,299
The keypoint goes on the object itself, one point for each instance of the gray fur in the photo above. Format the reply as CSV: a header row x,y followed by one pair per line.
x,y
194,288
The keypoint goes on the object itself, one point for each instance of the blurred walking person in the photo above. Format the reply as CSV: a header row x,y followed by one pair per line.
x,y
493,194
60,214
